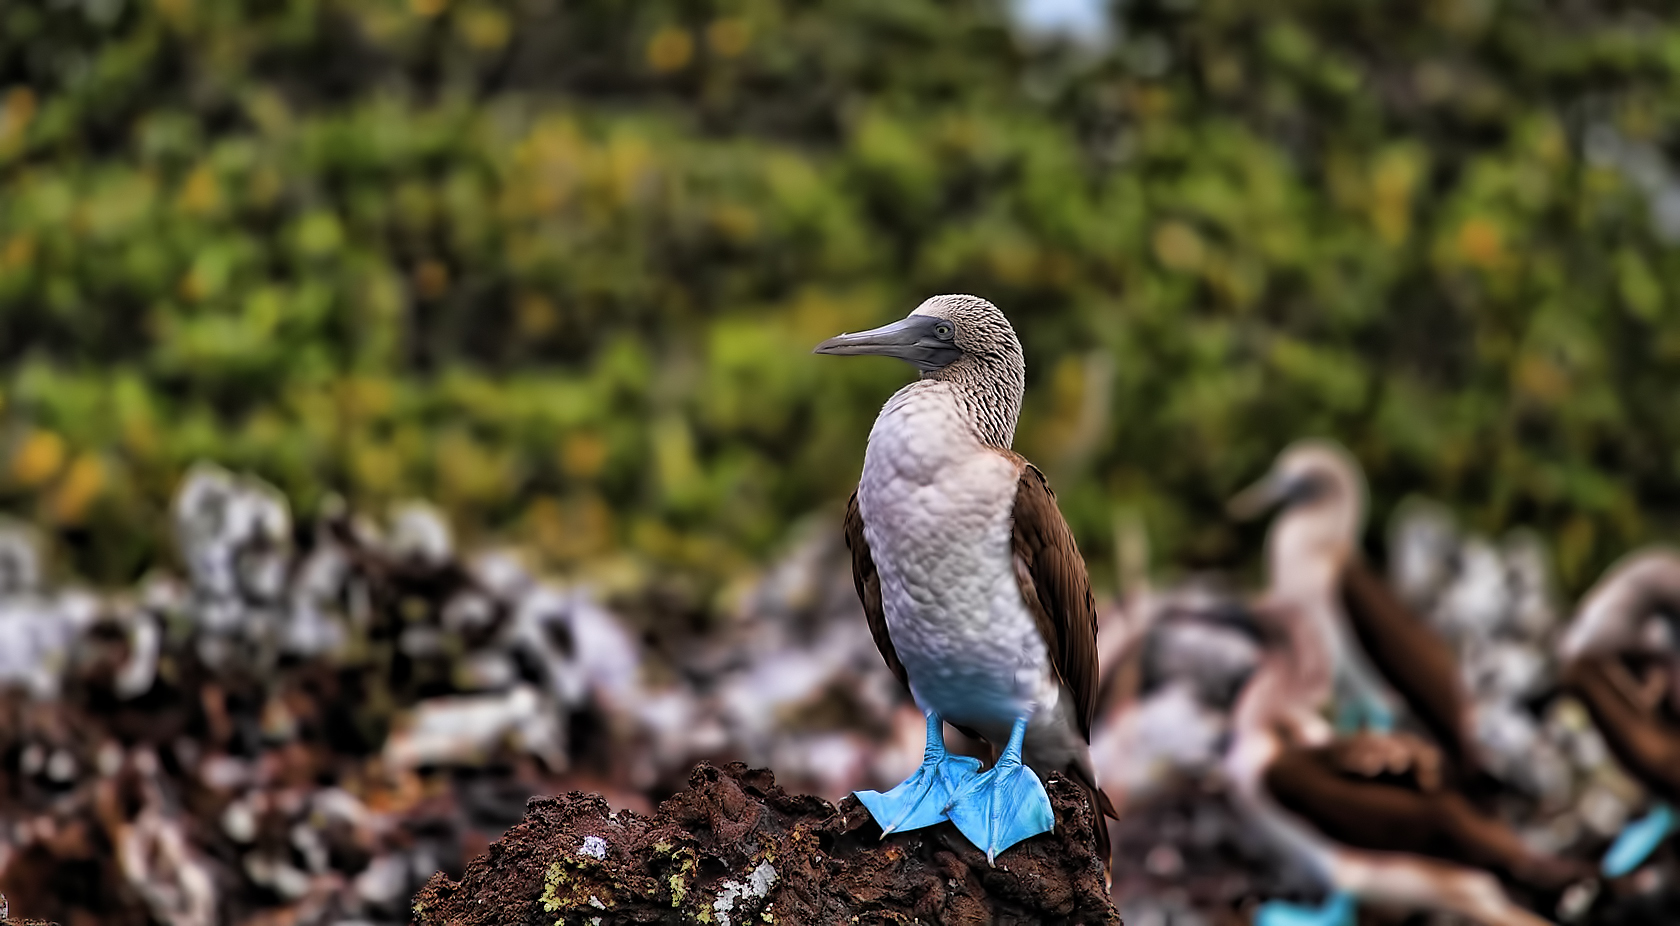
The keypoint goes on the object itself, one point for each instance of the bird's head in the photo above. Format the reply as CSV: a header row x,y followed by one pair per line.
x,y
964,340
1613,613
1321,490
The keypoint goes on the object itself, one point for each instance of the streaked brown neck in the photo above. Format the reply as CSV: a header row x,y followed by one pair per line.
x,y
990,388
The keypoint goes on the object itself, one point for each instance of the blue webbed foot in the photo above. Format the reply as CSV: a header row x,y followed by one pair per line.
x,y
1337,910
920,800
1004,805
1635,843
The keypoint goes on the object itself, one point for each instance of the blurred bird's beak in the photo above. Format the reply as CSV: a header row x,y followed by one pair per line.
x,y
1259,498
1276,489
911,339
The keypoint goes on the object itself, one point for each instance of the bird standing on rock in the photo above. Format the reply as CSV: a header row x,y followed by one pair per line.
x,y
972,584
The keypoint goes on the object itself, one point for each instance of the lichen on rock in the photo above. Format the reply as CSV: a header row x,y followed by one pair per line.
x,y
736,849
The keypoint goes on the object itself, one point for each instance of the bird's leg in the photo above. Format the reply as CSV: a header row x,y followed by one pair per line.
x,y
1635,843
1005,804
920,800
1337,910
1361,702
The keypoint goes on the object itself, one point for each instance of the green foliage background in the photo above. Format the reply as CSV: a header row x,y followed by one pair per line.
x,y
558,265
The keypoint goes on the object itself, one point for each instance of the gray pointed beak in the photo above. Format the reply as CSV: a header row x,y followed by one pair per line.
x,y
1259,498
914,340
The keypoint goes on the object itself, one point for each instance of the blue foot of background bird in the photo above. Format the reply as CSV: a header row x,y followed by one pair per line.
x,y
1635,843
1361,714
1337,910
921,799
1005,804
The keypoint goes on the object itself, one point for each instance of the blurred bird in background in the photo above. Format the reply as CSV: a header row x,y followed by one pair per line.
x,y
1620,657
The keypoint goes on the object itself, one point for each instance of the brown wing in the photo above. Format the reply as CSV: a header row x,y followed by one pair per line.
x,y
868,583
1416,662
1385,817
1646,746
1057,590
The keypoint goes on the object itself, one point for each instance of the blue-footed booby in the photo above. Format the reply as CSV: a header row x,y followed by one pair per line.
x,y
1366,813
970,579
1378,646
1628,614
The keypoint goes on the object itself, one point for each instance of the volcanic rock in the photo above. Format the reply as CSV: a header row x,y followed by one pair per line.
x,y
735,848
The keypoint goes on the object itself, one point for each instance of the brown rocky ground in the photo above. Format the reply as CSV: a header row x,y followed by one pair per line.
x,y
735,848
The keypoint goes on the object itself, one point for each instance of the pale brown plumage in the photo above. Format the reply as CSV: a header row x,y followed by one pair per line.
x,y
1054,587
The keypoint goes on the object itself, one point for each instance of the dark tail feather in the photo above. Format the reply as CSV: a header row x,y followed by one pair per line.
x,y
1103,811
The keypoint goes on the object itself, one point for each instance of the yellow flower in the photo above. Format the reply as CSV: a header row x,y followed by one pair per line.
x,y
670,49
69,502
1480,242
39,459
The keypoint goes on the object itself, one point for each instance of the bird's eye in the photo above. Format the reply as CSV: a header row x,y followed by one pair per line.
x,y
944,331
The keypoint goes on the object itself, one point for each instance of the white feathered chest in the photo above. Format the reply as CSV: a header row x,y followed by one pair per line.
x,y
937,511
